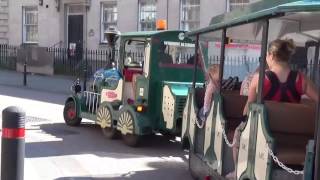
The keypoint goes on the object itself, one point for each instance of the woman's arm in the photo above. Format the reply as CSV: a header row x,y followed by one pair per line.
x,y
310,89
252,93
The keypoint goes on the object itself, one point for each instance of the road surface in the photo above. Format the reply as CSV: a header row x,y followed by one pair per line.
x,y
55,151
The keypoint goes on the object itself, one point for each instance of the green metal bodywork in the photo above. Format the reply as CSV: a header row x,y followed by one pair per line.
x,y
180,92
158,75
177,77
257,110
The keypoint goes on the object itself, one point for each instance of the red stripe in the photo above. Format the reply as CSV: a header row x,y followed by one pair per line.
x,y
11,133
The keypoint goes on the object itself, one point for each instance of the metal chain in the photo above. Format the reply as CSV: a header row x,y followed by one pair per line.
x,y
284,167
200,126
226,138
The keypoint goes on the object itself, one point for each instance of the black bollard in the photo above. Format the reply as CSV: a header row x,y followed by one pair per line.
x,y
13,144
25,74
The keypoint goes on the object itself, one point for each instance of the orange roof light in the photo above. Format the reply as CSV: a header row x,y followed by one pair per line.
x,y
161,24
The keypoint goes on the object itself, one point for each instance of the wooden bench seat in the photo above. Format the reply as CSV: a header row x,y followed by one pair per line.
x,y
291,125
233,105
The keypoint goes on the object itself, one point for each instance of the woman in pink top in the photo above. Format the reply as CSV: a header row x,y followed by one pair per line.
x,y
213,78
246,83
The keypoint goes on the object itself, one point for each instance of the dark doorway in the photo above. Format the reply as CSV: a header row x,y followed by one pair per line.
x,y
75,35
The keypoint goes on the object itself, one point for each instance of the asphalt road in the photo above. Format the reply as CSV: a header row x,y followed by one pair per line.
x,y
55,151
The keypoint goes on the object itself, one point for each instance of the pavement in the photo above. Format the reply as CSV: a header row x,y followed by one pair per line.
x,y
54,84
55,151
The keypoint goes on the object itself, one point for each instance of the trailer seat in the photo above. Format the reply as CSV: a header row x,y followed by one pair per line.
x,y
233,105
291,125
129,72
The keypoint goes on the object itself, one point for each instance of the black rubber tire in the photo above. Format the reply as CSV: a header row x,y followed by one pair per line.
x,y
192,173
110,133
71,120
131,140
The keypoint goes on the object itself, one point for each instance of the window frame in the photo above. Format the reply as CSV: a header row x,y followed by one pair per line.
x,y
235,5
147,2
184,4
109,24
31,10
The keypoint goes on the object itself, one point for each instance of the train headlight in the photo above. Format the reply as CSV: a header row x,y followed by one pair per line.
x,y
140,108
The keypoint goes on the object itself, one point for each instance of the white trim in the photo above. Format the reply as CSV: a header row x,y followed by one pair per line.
x,y
77,13
102,5
148,11
24,30
83,14
237,4
168,107
184,5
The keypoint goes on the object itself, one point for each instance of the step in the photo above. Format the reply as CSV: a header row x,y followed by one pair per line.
x,y
4,16
4,28
3,40
4,3
3,34
4,22
4,10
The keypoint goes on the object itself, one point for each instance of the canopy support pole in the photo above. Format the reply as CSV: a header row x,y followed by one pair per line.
x,y
264,48
222,56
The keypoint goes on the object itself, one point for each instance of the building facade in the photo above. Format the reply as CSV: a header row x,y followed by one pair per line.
x,y
61,23
4,19
66,23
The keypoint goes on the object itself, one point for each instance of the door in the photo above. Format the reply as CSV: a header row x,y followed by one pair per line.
x,y
75,35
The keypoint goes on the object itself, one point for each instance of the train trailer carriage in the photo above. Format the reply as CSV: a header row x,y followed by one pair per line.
x,y
145,92
278,140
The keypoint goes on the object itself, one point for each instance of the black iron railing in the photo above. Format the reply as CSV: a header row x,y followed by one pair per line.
x,y
76,63
8,57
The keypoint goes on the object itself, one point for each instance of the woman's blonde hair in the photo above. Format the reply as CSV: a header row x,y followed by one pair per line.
x,y
213,69
282,49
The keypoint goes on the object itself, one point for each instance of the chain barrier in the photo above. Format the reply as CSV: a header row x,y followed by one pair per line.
x,y
284,167
226,138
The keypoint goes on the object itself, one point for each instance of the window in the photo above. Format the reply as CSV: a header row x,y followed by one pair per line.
x,y
235,4
175,53
147,15
190,14
109,18
134,53
30,25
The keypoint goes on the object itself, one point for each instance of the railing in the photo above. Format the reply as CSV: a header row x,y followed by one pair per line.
x,y
8,57
74,63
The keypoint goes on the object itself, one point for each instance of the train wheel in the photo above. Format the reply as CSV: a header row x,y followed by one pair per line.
x,y
70,114
105,119
126,126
